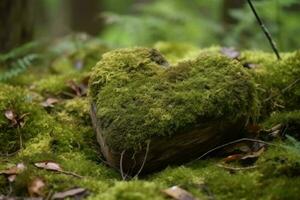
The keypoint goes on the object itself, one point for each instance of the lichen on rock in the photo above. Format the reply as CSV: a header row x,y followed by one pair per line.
x,y
139,96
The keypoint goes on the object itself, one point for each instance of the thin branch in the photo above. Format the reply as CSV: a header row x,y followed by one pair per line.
x,y
265,30
70,173
290,86
234,142
236,168
144,161
121,165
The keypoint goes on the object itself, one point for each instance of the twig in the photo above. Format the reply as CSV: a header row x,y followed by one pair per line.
x,y
10,154
283,90
234,142
144,161
236,168
121,165
291,85
70,173
20,137
265,30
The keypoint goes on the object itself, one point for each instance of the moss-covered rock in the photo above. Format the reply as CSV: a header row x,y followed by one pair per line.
x,y
175,52
139,97
278,81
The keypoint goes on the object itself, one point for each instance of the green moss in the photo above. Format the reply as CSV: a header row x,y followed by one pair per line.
x,y
286,118
133,190
278,81
175,52
57,85
142,79
138,97
21,102
77,109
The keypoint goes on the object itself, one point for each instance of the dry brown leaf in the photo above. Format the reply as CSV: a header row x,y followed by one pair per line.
x,y
71,193
9,114
178,193
48,165
254,155
12,172
80,89
14,118
49,102
53,166
233,157
35,187
230,53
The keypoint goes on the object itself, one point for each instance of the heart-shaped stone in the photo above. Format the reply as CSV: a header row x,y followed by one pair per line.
x,y
149,114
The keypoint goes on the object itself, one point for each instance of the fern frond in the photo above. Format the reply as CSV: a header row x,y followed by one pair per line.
x,y
18,66
19,51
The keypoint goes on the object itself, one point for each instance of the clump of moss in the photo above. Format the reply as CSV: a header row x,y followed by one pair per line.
x,y
63,136
278,81
20,102
133,190
138,97
290,120
175,52
58,85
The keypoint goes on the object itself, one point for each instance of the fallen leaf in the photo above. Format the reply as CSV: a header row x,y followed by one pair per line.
x,y
35,187
12,172
49,102
178,193
75,192
15,119
233,157
48,165
253,156
53,166
80,89
9,114
75,88
230,52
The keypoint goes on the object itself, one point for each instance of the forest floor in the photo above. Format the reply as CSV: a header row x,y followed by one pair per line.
x,y
49,150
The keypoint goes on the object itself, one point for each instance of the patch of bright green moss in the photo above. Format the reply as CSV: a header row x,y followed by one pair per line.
x,y
175,52
139,97
278,81
58,84
20,101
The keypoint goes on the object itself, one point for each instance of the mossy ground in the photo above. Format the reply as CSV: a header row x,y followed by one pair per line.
x,y
64,134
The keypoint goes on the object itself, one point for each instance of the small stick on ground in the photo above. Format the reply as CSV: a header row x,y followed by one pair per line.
x,y
70,173
144,161
265,30
236,168
234,142
20,137
121,165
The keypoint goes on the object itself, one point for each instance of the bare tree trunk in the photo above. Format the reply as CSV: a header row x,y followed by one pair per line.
x,y
85,16
16,23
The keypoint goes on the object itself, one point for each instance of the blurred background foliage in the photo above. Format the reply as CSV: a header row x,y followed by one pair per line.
x,y
143,22
203,23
